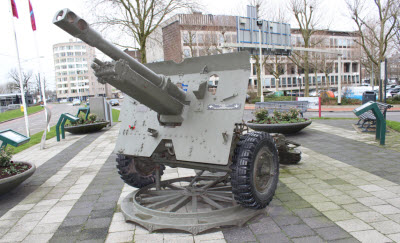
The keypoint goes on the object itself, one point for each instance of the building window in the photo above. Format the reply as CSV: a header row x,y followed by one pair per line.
x,y
186,53
201,38
221,38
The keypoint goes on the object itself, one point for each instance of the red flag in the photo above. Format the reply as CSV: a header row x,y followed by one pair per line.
x,y
33,23
14,9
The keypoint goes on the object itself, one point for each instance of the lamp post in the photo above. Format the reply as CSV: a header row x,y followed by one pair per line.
x,y
260,24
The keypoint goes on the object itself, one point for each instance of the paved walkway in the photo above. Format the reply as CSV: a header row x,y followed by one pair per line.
x,y
345,189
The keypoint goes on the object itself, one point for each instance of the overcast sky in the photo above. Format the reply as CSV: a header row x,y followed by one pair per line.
x,y
47,34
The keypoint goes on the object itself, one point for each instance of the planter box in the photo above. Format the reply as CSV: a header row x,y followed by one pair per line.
x,y
86,128
287,128
9,183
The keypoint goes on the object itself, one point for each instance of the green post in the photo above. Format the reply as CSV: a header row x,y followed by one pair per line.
x,y
3,145
86,110
61,122
380,119
58,127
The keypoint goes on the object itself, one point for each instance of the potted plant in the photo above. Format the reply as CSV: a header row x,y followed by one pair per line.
x,y
281,122
86,126
12,173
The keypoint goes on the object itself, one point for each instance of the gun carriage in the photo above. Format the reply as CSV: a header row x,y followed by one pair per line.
x,y
202,129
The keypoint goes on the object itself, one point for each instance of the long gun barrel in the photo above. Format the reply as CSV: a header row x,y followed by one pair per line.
x,y
127,74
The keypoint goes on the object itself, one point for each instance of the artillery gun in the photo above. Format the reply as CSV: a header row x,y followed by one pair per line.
x,y
201,129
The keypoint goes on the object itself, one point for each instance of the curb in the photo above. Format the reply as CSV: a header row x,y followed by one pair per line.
x,y
20,117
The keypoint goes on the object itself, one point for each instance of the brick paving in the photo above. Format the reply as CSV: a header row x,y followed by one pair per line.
x,y
345,189
48,167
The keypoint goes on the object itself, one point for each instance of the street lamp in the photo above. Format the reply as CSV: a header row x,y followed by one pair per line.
x,y
260,24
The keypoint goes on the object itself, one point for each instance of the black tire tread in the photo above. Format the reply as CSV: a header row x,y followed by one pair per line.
x,y
242,159
134,179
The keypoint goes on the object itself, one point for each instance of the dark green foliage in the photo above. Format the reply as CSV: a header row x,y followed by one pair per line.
x,y
291,116
5,156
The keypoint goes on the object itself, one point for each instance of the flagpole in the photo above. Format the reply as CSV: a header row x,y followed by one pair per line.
x,y
20,77
41,81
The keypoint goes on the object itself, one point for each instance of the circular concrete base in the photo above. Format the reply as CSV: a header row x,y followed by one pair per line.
x,y
9,183
287,128
86,128
181,206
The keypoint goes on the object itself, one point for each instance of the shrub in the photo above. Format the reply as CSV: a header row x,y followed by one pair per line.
x,y
5,156
92,117
261,114
291,116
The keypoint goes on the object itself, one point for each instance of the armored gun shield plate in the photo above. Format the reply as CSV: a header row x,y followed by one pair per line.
x,y
208,121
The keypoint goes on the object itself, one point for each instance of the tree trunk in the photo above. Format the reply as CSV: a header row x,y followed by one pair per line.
x,y
258,70
316,81
327,81
306,72
142,50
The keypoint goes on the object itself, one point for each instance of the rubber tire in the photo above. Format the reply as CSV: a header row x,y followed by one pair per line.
x,y
243,188
135,179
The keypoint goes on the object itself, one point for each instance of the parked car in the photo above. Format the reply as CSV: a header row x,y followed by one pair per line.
x,y
395,91
114,102
76,102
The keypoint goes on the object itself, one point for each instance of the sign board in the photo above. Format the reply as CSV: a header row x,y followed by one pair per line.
x,y
383,70
98,107
12,137
361,108
273,33
313,102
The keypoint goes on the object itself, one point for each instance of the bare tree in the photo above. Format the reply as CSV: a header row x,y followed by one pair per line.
x,y
376,30
137,18
275,65
327,63
14,77
307,20
38,81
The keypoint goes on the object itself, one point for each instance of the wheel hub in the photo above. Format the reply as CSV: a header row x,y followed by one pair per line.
x,y
262,169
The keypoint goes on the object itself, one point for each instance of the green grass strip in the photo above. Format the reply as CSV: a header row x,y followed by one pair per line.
x,y
9,115
393,125
35,139
115,115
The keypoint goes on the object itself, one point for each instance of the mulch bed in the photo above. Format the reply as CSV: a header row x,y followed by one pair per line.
x,y
13,169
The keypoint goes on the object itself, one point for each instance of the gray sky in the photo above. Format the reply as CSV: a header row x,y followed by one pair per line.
x,y
334,14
